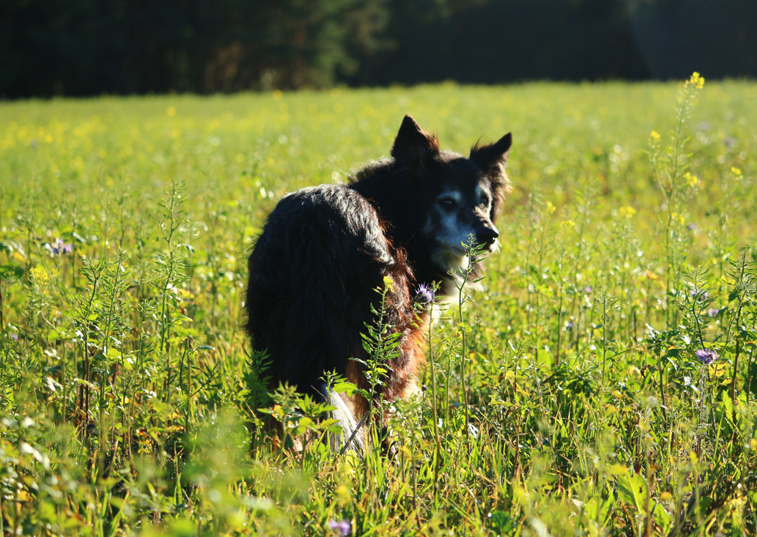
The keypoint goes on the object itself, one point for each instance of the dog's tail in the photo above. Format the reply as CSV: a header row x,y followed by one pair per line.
x,y
352,436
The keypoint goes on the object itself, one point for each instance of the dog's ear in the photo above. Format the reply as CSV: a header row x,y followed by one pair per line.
x,y
413,145
492,159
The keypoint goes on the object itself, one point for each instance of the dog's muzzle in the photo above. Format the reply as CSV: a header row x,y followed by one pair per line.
x,y
486,235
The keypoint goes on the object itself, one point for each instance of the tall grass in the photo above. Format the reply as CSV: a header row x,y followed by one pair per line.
x,y
577,394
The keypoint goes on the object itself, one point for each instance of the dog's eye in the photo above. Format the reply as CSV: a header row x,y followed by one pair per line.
x,y
448,203
485,201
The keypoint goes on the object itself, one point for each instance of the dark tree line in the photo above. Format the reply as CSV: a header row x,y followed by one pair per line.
x,y
89,47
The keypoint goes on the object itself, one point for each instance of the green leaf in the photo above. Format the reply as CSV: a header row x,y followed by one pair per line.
x,y
345,387
662,518
632,489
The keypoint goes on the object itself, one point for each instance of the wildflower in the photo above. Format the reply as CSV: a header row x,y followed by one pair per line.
x,y
14,337
706,356
588,289
40,276
736,172
342,528
628,212
425,295
389,283
699,294
691,227
713,312
691,180
567,224
59,247
550,207
696,80
655,135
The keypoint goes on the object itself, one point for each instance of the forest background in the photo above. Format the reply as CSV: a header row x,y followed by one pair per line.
x,y
94,47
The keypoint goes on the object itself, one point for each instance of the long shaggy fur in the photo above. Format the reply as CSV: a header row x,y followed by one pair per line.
x,y
324,251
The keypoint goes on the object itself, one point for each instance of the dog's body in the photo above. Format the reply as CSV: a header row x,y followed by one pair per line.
x,y
325,250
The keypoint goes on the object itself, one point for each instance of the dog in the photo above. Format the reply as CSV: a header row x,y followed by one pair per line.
x,y
398,226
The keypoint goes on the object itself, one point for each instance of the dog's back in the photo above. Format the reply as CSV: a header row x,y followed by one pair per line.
x,y
313,278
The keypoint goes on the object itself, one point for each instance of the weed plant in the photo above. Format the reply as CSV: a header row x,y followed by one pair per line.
x,y
603,382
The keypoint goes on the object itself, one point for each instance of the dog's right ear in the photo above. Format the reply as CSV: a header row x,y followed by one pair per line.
x,y
492,157
413,145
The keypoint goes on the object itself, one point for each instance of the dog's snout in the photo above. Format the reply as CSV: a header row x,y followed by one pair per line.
x,y
487,235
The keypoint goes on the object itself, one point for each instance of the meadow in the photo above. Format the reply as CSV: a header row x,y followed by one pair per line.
x,y
602,383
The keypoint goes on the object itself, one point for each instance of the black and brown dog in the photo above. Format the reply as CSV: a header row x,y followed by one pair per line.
x,y
325,250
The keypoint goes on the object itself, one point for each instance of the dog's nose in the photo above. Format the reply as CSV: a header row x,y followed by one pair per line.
x,y
487,236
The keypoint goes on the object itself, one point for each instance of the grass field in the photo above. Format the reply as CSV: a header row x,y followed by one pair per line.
x,y
130,403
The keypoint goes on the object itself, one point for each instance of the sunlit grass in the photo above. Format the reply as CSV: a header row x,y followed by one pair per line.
x,y
129,399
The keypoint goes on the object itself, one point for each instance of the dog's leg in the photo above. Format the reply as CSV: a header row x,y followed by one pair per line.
x,y
353,432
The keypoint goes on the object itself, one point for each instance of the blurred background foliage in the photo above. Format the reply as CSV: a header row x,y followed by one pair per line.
x,y
91,47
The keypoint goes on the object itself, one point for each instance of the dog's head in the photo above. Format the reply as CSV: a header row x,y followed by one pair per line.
x,y
459,198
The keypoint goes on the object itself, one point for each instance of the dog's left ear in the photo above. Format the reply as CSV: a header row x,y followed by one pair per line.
x,y
492,159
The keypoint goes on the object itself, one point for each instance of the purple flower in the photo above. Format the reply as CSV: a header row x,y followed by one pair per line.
x,y
425,295
587,289
15,337
706,356
569,326
691,227
713,312
699,294
59,247
343,528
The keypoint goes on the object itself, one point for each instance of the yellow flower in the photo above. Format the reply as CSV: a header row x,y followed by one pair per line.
x,y
628,212
655,135
737,173
567,224
691,180
696,80
551,208
389,283
40,276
